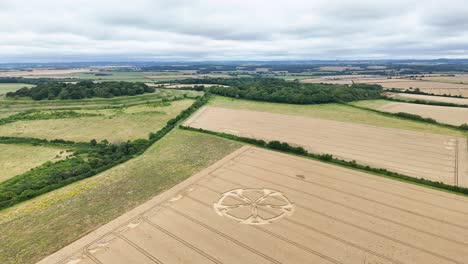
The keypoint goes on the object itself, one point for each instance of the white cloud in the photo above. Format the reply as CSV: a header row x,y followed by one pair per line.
x,y
226,29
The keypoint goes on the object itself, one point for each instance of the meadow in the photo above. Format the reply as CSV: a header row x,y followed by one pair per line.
x,y
11,87
115,125
16,159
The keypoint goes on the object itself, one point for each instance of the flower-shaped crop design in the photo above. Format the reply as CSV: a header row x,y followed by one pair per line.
x,y
253,206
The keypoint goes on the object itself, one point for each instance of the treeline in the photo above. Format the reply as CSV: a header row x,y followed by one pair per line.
x,y
88,159
80,90
418,91
285,147
281,91
425,102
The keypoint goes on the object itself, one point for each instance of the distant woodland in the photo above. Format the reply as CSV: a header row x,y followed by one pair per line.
x,y
281,91
80,90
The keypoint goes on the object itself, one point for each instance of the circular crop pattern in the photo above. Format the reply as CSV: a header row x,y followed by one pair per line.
x,y
253,206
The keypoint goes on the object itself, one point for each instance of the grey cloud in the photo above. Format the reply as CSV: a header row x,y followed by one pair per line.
x,y
229,29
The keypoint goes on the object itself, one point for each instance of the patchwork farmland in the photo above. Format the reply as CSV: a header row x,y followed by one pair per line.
x,y
305,212
421,155
116,172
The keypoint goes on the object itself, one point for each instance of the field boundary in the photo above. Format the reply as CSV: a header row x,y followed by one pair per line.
x,y
425,102
412,117
328,158
423,93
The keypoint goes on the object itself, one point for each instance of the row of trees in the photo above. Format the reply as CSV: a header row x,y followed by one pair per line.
x,y
80,90
281,91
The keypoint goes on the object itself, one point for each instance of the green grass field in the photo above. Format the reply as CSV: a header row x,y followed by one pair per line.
x,y
372,104
335,112
115,125
38,227
11,87
16,159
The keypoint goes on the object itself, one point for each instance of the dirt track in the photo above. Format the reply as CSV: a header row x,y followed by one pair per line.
x,y
420,155
335,215
449,115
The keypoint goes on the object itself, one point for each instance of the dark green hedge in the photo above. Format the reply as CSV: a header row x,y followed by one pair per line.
x,y
425,102
463,127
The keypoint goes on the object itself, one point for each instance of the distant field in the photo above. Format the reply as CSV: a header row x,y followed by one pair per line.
x,y
42,72
461,101
436,85
335,112
39,227
338,69
12,87
418,84
449,115
420,155
448,79
425,86
16,159
116,125
329,81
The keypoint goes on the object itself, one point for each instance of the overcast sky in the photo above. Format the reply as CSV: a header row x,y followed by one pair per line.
x,y
84,30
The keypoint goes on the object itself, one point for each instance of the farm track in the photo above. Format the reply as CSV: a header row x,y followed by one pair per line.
x,y
416,154
340,216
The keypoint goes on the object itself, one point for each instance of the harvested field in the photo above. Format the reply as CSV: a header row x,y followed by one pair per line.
x,y
115,125
16,159
462,78
443,114
461,101
407,84
420,155
425,86
305,212
337,112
